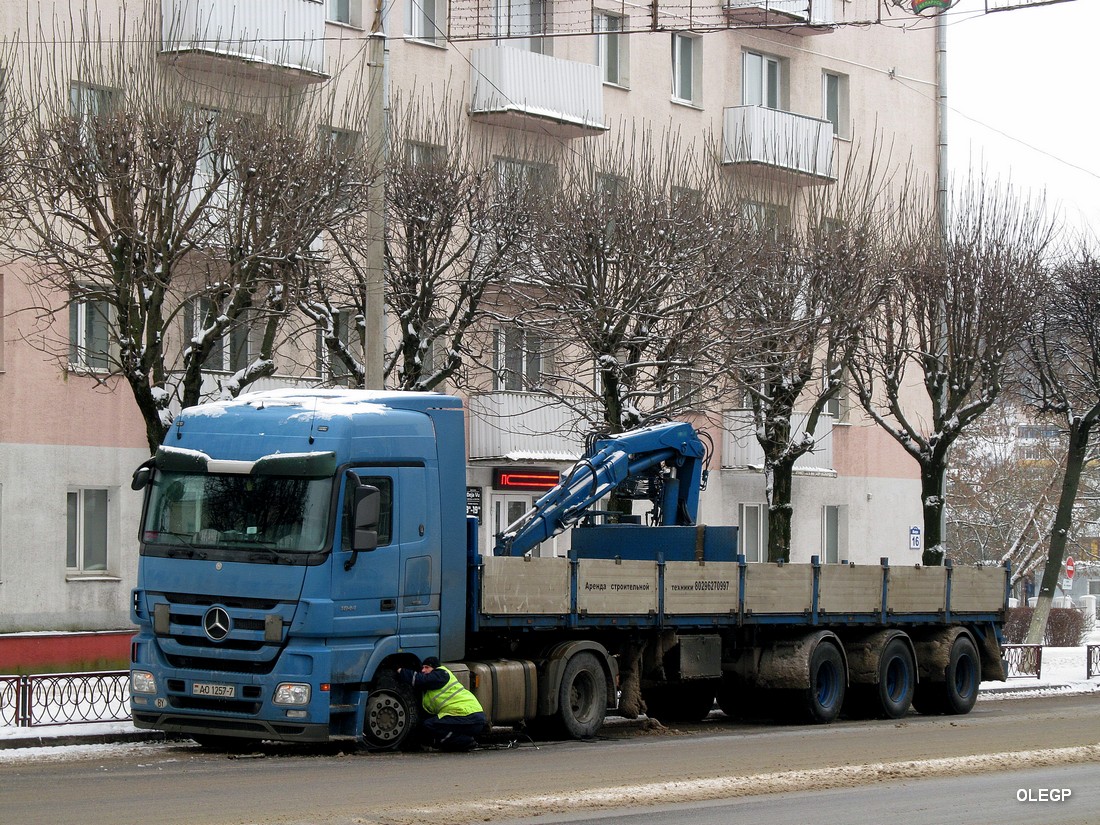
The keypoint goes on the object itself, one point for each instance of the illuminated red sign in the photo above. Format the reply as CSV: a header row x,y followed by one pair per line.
x,y
525,479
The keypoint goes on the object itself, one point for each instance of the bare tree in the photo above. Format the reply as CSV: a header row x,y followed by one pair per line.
x,y
149,206
620,277
812,285
449,237
947,326
1063,349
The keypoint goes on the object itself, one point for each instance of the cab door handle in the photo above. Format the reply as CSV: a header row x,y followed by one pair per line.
x,y
389,604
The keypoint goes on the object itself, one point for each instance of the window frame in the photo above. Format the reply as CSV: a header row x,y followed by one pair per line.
x,y
760,551
836,109
693,75
612,49
529,32
424,27
769,87
77,532
514,347
80,345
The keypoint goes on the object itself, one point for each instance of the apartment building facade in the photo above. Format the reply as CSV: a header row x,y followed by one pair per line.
x,y
784,88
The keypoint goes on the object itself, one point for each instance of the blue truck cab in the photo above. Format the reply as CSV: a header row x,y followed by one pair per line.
x,y
296,548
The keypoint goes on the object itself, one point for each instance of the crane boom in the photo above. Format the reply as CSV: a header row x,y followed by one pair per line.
x,y
672,454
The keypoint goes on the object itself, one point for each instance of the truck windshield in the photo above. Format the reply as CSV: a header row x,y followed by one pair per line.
x,y
191,510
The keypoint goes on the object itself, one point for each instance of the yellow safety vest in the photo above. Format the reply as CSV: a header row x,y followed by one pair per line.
x,y
450,700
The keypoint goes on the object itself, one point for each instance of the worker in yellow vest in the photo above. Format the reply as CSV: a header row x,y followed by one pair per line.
x,y
453,714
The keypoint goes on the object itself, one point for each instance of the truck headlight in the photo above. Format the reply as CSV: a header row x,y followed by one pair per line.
x,y
292,693
142,681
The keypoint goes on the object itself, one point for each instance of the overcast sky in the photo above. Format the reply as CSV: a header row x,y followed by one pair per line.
x,y
1024,99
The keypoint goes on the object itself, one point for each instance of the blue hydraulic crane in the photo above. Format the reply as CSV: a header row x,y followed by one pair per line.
x,y
671,456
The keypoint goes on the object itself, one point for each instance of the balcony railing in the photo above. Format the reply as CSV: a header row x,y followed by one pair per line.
x,y
779,142
524,426
741,449
284,34
521,89
818,14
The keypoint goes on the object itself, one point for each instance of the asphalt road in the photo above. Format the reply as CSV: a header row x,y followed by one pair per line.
x,y
630,766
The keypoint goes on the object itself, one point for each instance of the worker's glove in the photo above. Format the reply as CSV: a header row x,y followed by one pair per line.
x,y
405,675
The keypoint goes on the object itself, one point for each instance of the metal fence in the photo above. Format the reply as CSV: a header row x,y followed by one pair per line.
x,y
64,698
1092,667
1023,660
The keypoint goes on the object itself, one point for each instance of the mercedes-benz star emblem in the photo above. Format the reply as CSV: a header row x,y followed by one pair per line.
x,y
216,624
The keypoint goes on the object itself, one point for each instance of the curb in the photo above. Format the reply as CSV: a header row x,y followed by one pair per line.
x,y
120,737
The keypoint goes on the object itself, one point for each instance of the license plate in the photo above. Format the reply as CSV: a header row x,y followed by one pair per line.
x,y
207,689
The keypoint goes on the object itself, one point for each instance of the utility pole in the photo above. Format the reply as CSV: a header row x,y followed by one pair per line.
x,y
378,131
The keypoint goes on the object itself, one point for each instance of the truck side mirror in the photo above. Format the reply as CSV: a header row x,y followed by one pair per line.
x,y
367,503
142,476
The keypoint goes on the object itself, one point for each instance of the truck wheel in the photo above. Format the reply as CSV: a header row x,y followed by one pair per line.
x,y
892,696
823,699
391,715
582,697
686,702
958,692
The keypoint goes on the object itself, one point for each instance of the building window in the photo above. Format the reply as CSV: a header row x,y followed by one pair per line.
x,y
89,333
762,81
830,534
86,550
245,340
766,217
89,102
329,367
199,313
517,361
834,102
426,20
521,175
522,23
752,521
687,56
612,48
345,11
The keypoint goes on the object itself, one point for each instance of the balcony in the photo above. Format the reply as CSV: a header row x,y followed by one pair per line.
x,y
248,38
801,17
524,426
519,89
740,449
772,142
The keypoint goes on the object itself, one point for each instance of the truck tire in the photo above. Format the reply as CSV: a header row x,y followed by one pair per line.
x,y
391,716
958,692
686,702
824,698
892,696
582,697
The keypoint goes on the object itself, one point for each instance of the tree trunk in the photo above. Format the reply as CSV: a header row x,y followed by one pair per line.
x,y
932,480
1071,481
779,511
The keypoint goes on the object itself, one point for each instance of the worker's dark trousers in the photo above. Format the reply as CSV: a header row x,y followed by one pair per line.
x,y
455,733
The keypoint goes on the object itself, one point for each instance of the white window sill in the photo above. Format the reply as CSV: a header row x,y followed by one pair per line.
x,y
432,44
343,25
616,85
679,101
91,577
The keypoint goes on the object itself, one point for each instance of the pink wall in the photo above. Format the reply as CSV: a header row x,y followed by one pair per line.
x,y
45,403
75,652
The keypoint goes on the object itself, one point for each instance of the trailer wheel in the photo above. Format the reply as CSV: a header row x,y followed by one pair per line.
x,y
582,697
892,696
958,692
823,699
687,702
391,715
